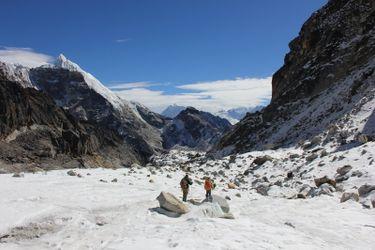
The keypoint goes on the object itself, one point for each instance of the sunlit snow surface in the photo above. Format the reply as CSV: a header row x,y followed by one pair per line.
x,y
57,211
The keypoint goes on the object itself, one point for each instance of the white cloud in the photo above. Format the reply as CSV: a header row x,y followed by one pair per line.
x,y
24,56
123,40
209,96
130,85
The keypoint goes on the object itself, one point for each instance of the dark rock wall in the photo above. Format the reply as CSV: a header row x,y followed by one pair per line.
x,y
336,46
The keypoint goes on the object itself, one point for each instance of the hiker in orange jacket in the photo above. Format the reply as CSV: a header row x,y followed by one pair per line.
x,y
208,186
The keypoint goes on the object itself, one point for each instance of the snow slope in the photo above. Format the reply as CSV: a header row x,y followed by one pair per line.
x,y
56,211
17,73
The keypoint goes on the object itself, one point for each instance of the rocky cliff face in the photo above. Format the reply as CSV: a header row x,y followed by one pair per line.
x,y
194,129
154,119
70,91
327,78
335,41
25,107
88,100
35,132
84,98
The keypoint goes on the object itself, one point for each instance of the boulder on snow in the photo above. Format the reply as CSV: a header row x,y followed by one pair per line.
x,y
232,159
363,138
349,196
195,202
263,189
325,179
344,170
161,210
260,160
18,175
305,191
323,153
325,188
278,183
311,157
357,173
169,202
71,173
231,185
316,140
365,189
294,156
341,178
237,182
290,175
340,188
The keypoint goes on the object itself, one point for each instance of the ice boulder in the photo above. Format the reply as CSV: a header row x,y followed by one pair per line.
x,y
214,210
169,202
223,203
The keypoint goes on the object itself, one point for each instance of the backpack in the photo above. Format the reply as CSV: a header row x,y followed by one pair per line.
x,y
208,185
184,184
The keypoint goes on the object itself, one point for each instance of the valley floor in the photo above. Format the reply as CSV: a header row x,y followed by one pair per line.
x,y
56,211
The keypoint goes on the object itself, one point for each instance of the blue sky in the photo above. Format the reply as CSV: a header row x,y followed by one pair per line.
x,y
160,44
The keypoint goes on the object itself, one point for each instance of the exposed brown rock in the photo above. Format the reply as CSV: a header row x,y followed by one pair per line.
x,y
325,179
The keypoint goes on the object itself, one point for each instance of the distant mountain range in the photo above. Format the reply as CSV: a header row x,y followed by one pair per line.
x,y
236,114
59,115
232,115
172,110
194,129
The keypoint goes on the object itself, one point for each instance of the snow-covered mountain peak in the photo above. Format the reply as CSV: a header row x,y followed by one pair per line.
x,y
91,81
172,110
62,57
63,62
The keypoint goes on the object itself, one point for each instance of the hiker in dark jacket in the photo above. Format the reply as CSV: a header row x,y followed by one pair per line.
x,y
185,183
